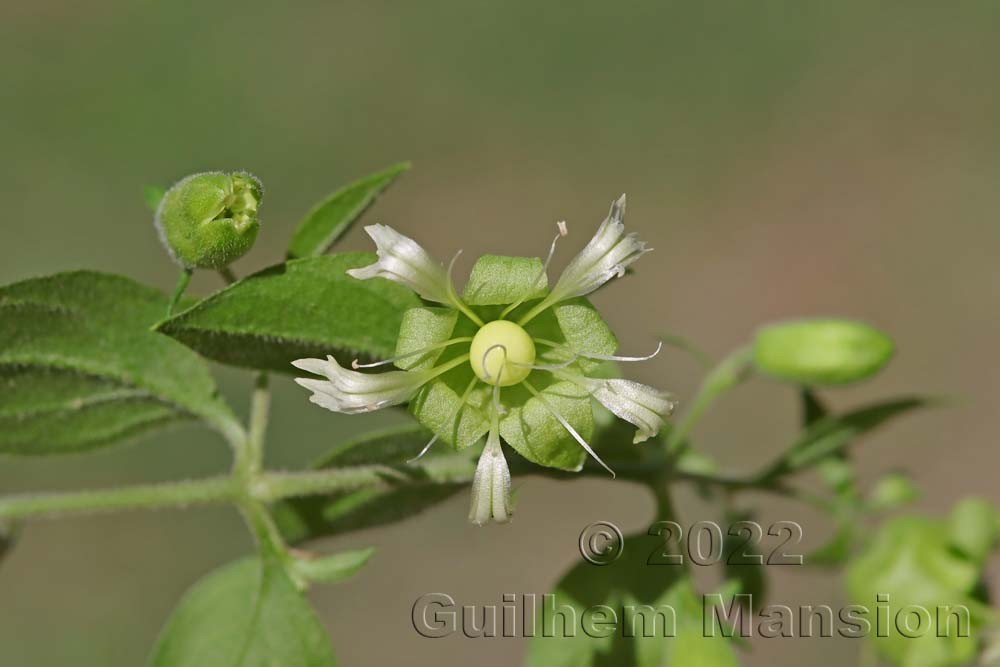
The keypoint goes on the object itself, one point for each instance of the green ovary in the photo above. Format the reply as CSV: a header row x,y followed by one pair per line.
x,y
512,353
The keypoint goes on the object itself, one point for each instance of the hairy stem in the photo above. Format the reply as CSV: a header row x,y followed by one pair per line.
x,y
213,490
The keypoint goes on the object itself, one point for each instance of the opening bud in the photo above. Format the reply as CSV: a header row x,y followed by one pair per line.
x,y
209,220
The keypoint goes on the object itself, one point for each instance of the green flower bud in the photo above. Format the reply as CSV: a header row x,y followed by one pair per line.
x,y
892,491
821,352
209,220
973,527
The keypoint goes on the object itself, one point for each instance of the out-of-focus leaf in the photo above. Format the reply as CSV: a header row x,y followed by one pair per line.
x,y
307,518
647,601
973,528
812,407
332,217
892,491
247,614
837,550
911,561
302,308
744,564
79,367
833,434
333,568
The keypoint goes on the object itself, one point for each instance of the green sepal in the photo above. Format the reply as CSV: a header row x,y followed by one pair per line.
x,y
423,327
533,431
497,280
438,407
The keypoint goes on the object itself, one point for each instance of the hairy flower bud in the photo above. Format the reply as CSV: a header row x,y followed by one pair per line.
x,y
209,220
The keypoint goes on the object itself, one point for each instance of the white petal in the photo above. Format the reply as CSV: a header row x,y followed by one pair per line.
x,y
605,257
402,260
641,405
350,391
491,485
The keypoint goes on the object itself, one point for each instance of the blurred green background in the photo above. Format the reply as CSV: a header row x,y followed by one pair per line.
x,y
784,159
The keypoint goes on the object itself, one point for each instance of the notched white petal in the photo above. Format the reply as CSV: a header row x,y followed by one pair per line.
x,y
403,260
606,256
643,406
351,392
491,485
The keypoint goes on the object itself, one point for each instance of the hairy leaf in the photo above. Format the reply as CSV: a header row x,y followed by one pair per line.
x,y
302,308
247,614
79,367
307,518
333,216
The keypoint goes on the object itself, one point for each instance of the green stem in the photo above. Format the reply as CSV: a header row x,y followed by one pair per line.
x,y
183,280
228,275
260,405
213,490
727,374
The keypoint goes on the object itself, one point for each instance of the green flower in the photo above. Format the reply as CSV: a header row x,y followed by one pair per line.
x,y
508,359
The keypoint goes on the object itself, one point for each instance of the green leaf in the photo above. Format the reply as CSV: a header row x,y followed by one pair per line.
x,y
402,496
813,408
499,281
912,562
247,614
302,308
833,434
333,568
973,528
536,435
332,217
634,591
80,368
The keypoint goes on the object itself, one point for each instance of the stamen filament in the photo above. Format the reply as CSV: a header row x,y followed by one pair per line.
x,y
545,266
566,425
454,415
594,355
455,299
430,348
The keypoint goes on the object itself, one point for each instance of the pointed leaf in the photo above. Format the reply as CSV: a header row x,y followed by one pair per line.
x,y
832,434
80,368
247,614
302,308
333,216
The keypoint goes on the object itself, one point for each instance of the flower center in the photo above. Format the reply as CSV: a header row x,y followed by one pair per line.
x,y
502,353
